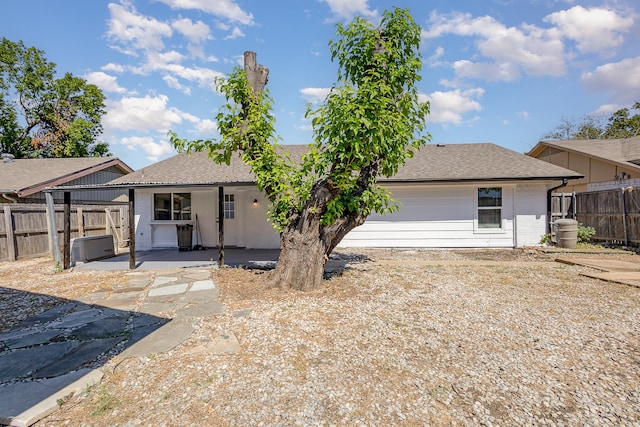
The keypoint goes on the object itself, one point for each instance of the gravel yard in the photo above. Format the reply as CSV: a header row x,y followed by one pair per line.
x,y
398,338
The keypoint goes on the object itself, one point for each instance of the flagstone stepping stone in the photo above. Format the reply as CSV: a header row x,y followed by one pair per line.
x,y
19,363
86,352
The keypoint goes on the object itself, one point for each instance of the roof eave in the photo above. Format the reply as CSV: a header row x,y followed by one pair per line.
x,y
27,191
468,180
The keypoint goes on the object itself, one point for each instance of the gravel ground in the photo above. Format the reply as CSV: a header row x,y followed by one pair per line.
x,y
396,339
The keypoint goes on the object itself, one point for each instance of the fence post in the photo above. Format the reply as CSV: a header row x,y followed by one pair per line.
x,y
624,217
8,225
80,222
121,225
132,229
66,264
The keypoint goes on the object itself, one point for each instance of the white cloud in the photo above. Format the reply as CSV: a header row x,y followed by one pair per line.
x,y
153,149
134,31
222,8
196,32
594,30
342,9
509,51
206,127
142,114
449,107
315,94
236,33
105,82
621,79
116,68
607,110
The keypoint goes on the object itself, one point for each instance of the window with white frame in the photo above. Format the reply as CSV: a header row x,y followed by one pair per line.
x,y
229,206
172,206
490,207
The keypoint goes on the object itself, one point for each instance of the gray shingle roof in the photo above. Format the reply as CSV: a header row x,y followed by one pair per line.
x,y
28,176
623,151
433,163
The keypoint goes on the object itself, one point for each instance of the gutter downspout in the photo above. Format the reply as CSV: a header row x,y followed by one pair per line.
x,y
549,192
10,198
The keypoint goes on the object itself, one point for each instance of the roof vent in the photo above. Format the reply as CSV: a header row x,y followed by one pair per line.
x,y
440,145
7,158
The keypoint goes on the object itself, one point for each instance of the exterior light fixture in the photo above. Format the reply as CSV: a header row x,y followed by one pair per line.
x,y
255,202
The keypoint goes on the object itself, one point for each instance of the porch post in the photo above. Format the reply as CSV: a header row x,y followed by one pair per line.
x,y
67,231
132,229
221,226
54,244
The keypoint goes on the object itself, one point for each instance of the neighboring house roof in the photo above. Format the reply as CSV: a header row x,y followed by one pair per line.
x,y
432,163
624,152
24,177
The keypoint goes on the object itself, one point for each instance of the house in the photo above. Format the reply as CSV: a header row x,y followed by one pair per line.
x,y
605,163
22,180
451,196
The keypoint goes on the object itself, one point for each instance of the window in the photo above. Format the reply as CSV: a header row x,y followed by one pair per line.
x,y
229,206
168,206
490,207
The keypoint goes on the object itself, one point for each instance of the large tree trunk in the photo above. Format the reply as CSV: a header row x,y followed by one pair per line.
x,y
305,249
302,258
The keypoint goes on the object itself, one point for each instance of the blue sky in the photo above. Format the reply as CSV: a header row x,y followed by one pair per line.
x,y
500,71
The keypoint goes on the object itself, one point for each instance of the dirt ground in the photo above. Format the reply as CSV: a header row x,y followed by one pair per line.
x,y
394,337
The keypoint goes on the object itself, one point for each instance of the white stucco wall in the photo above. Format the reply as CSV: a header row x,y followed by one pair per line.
x,y
249,228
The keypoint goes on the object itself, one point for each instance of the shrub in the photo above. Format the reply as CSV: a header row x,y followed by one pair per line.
x,y
585,233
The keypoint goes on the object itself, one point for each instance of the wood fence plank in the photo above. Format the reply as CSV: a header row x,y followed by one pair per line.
x,y
8,225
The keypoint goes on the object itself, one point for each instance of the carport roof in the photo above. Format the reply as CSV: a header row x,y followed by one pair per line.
x,y
24,177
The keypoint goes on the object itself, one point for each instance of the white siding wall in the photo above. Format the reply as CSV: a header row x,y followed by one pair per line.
x,y
442,216
437,216
531,213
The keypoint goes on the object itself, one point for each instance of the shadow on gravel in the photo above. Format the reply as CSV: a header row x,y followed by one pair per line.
x,y
66,337
338,263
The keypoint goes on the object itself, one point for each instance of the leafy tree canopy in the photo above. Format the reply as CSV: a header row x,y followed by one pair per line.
x,y
44,116
368,125
621,124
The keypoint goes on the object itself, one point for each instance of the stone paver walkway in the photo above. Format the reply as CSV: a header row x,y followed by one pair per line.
x,y
57,353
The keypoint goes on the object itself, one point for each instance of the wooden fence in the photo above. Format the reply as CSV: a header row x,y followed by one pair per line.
x,y
614,214
24,227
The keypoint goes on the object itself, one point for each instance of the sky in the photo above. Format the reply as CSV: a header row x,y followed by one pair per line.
x,y
500,71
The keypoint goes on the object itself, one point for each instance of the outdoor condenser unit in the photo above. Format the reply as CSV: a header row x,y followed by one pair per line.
x,y
90,248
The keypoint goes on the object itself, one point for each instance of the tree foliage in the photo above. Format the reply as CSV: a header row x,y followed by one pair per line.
x,y
621,124
44,116
367,127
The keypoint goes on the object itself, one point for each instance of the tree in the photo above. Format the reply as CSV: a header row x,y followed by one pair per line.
x,y
622,125
369,124
619,125
44,116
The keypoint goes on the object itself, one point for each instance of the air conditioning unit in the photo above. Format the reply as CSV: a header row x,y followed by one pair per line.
x,y
91,248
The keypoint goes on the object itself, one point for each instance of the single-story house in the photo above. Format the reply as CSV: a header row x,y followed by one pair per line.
x,y
451,196
605,163
22,180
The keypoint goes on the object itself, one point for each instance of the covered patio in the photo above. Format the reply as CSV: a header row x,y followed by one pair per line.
x,y
174,258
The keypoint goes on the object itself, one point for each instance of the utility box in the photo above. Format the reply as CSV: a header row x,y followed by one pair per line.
x,y
92,248
185,236
566,233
